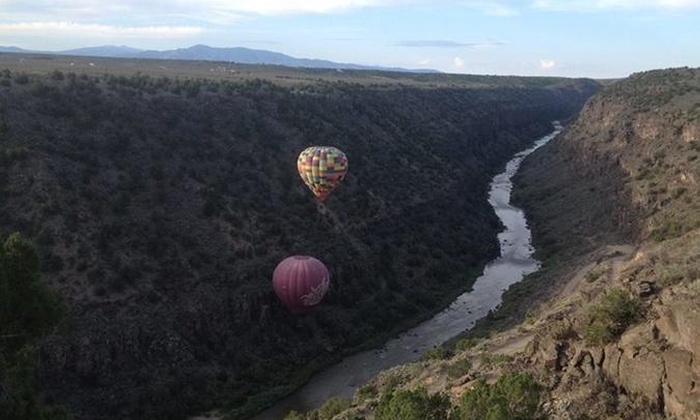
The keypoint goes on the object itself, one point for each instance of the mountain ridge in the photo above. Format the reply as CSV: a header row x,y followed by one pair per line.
x,y
201,52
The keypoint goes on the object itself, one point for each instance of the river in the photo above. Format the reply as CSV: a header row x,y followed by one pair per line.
x,y
515,261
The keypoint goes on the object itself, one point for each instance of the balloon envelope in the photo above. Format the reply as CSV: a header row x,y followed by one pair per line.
x,y
300,282
322,168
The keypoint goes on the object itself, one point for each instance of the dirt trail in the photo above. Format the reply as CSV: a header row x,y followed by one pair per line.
x,y
515,340
614,255
514,344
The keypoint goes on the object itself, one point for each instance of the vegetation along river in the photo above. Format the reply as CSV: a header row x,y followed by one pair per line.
x,y
510,267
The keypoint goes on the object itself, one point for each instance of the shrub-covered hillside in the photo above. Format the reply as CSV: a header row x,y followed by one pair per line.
x,y
161,206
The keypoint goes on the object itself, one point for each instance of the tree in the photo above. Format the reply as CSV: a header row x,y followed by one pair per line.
x,y
515,396
413,405
29,310
608,319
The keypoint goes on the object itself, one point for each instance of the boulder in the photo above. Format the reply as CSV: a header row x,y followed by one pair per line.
x,y
679,323
641,367
681,394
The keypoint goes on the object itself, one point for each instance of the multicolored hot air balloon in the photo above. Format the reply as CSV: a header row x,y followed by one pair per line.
x,y
322,168
300,282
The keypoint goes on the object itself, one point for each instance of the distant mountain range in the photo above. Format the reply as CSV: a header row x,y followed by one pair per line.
x,y
207,53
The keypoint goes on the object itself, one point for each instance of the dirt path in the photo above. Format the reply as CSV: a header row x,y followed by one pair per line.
x,y
514,344
614,255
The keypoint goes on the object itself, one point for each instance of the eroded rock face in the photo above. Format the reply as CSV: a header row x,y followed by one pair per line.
x,y
644,365
679,326
679,319
650,371
680,392
655,361
639,368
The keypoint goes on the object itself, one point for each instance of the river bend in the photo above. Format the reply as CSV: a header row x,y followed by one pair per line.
x,y
514,262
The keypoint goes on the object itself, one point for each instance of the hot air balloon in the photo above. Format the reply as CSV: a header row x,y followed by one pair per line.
x,y
322,168
300,282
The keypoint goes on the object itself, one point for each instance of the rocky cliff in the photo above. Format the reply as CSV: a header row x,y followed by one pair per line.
x,y
638,143
609,327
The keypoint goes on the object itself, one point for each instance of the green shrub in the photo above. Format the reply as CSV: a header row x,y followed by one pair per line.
x,y
366,392
668,230
513,396
392,382
466,343
438,353
413,405
562,330
332,407
495,359
593,275
608,319
294,415
459,368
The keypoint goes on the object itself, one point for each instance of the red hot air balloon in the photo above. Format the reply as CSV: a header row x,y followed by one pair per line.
x,y
300,282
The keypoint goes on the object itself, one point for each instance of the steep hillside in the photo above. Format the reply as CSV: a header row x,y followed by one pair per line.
x,y
161,206
609,328
634,150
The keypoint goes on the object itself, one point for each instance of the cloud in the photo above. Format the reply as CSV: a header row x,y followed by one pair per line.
x,y
424,62
491,7
73,10
158,19
495,8
439,43
547,64
433,43
458,62
214,11
35,10
95,30
604,5
270,7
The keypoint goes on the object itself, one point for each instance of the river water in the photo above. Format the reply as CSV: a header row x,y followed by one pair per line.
x,y
515,261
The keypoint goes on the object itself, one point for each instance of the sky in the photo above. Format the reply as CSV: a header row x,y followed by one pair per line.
x,y
572,38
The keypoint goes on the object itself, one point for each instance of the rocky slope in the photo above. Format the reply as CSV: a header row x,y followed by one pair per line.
x,y
615,208
646,130
160,207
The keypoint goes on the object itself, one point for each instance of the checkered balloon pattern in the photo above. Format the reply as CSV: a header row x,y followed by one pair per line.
x,y
322,168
